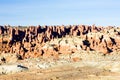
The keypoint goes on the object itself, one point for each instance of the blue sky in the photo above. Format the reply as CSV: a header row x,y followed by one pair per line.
x,y
58,12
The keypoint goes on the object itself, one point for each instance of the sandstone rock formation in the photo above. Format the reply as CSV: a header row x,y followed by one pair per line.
x,y
32,41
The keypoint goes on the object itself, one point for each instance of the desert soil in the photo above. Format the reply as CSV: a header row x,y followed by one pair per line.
x,y
69,71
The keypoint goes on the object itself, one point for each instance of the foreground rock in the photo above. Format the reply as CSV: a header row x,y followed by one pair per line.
x,y
10,69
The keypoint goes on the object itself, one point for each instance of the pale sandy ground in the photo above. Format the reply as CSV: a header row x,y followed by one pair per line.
x,y
65,72
66,69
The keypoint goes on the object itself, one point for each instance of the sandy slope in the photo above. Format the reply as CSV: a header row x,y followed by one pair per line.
x,y
69,71
64,73
90,66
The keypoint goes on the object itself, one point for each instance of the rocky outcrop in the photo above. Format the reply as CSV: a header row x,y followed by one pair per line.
x,y
31,41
